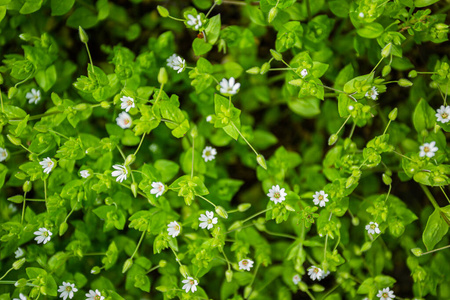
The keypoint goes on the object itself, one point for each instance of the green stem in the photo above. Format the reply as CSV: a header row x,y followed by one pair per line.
x,y
429,196
232,123
1,100
193,151
435,250
142,139
308,9
446,197
6,273
152,269
139,244
387,126
90,58
206,200
255,215
379,62
343,124
159,93
310,295
210,10
176,19
23,207
280,234
121,153
330,291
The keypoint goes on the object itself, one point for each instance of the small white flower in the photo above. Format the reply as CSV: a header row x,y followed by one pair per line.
x,y
127,103
209,119
229,87
372,93
351,107
34,96
209,153
296,279
85,173
428,149
196,22
18,253
3,154
124,120
94,295
304,73
12,208
177,63
157,189
190,284
47,164
443,114
67,290
372,228
174,228
361,15
320,198
315,272
386,294
43,235
207,220
21,296
121,173
153,147
246,264
323,275
276,194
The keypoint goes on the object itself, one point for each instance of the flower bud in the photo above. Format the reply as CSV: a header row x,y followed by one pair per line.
x,y
247,291
63,228
18,263
27,186
162,288
289,208
404,82
21,283
80,107
229,275
303,286
393,114
12,92
332,139
162,76
244,206
83,35
128,263
261,161
221,212
162,263
134,189
254,70
130,159
35,292
386,70
184,271
14,140
412,74
105,104
350,182
25,37
386,50
276,55
163,12
109,201
272,15
355,221
194,132
95,270
317,288
264,68
386,179
417,251
366,246
296,82
235,226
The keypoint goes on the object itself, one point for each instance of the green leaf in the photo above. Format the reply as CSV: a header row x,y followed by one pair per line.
x,y
213,29
46,78
3,172
435,230
83,17
339,7
30,6
423,116
371,30
60,8
423,3
306,107
168,169
200,47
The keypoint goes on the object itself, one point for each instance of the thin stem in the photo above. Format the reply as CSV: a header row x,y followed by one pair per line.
x,y
343,124
387,126
404,156
330,291
159,93
139,244
193,151
23,207
234,2
443,191
379,62
232,123
255,215
121,153
429,196
210,10
6,273
176,19
280,234
152,269
308,9
176,256
45,190
142,139
90,58
206,200
435,250
310,295
1,100
352,131
253,279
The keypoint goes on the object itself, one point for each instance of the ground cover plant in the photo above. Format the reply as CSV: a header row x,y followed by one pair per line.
x,y
227,149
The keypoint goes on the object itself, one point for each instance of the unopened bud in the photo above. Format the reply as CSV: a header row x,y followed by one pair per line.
x,y
417,251
130,159
12,92
162,288
162,263
276,55
63,228
105,104
261,161
386,70
16,199
128,263
235,226
162,76
297,82
404,82
366,246
244,206
393,114
25,36
332,139
355,221
289,208
83,35
95,270
18,263
412,74
221,212
14,140
184,271
163,12
229,275
317,288
254,70
386,179
134,189
27,186
21,283
194,131
386,50
264,68
272,14
303,286
350,182
247,291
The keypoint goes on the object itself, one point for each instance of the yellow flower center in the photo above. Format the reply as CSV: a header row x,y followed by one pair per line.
x,y
426,149
68,288
321,197
444,116
276,195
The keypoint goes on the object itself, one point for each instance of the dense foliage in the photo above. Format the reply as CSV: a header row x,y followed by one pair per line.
x,y
227,149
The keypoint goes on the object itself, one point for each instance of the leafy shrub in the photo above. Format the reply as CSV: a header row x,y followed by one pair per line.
x,y
226,149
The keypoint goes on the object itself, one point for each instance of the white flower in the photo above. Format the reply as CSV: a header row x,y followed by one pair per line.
x,y
428,149
18,253
67,290
443,114
315,272
209,153
43,235
21,296
372,228
174,228
153,147
229,87
296,279
157,189
34,96
320,198
121,173
124,120
3,154
386,294
127,103
209,119
207,220
85,173
245,264
194,21
323,275
372,93
47,164
276,194
94,295
361,15
190,284
177,63
12,208
304,73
